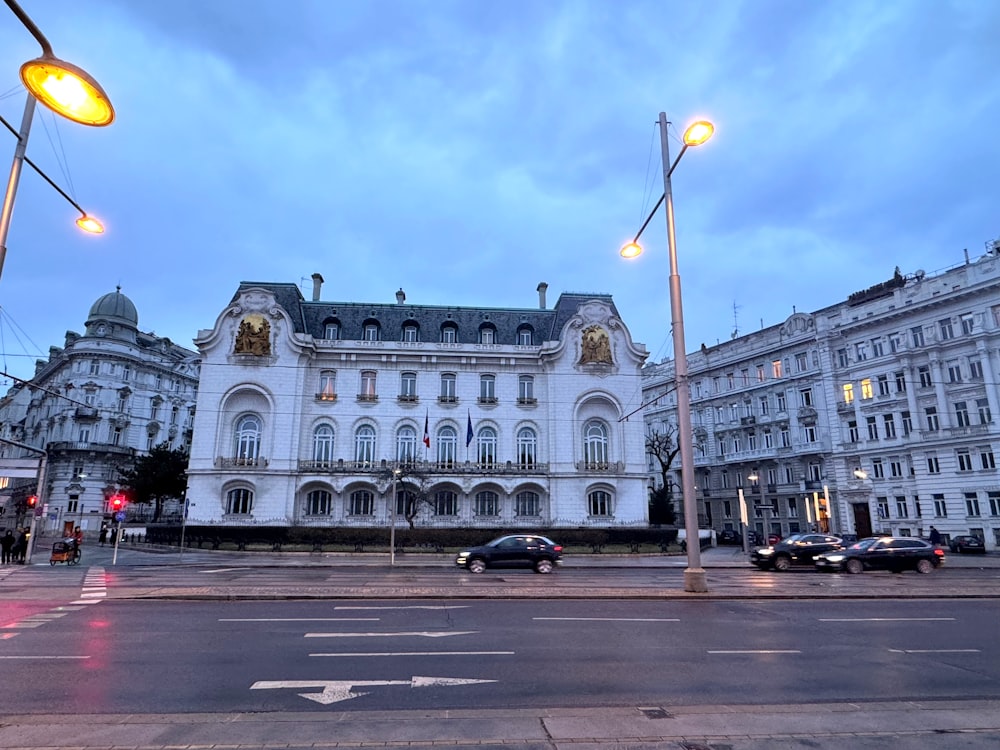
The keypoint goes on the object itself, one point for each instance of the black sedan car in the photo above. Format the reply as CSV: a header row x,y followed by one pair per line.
x,y
967,544
797,549
895,554
513,551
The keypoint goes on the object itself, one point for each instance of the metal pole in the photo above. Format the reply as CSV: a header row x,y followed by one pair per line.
x,y
694,576
15,177
118,536
392,517
744,521
184,518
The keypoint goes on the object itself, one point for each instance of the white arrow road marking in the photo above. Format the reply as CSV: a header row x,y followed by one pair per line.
x,y
422,634
341,690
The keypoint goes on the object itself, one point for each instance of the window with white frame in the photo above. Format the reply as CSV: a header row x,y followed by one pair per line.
x,y
448,387
527,503
408,386
487,335
449,334
793,507
853,435
895,468
878,469
964,457
968,323
406,444
445,503
776,368
370,332
883,385
900,378
860,352
975,369
810,434
780,400
889,425
902,507
487,389
763,404
986,459
526,389
972,505
364,445
327,385
954,372
239,501
411,333
486,446
331,331
866,389
447,446
933,464
907,422
893,339
962,414
882,504
323,444
924,375
917,336
319,503
595,445
247,438
994,498
524,337
983,407
527,443
946,329
931,415
842,360
785,438
940,506
805,397
362,503
872,424
768,439
599,503
486,503
367,392
801,362
877,348
848,390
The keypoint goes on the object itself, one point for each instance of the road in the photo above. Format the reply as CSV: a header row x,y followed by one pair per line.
x,y
151,656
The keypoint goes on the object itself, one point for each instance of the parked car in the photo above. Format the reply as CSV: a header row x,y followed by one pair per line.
x,y
513,551
883,553
797,549
729,536
967,543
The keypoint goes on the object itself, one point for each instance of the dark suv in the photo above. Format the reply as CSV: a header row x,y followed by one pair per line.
x,y
514,551
797,549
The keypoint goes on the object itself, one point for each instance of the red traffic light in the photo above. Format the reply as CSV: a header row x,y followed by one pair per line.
x,y
117,502
32,501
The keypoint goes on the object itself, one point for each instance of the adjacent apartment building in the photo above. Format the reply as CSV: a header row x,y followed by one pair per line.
x,y
877,414
104,397
314,412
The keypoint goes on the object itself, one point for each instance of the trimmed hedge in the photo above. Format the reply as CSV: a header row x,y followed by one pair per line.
x,y
276,537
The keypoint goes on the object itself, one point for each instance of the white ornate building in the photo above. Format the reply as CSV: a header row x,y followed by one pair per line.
x,y
94,404
884,406
511,417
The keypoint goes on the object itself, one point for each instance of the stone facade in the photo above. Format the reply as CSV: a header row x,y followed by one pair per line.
x,y
308,410
882,410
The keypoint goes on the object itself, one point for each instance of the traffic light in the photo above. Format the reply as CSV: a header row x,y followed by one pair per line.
x,y
32,501
117,503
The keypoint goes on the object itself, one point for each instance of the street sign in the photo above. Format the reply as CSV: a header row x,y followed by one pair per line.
x,y
120,516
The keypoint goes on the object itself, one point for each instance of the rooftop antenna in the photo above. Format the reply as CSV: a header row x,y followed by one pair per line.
x,y
736,320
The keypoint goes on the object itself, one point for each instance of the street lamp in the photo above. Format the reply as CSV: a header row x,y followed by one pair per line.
x,y
68,91
392,515
694,575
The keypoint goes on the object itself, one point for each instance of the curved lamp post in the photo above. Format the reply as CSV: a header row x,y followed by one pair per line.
x,y
696,134
68,91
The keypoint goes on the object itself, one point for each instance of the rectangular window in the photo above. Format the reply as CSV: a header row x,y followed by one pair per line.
x,y
524,337
954,373
328,385
853,435
994,497
975,369
95,367
983,407
946,329
487,388
752,441
895,468
526,389
848,393
932,418
866,389
486,336
408,385
126,372
367,392
964,459
801,362
449,335
860,352
900,382
917,336
810,433
872,428
761,375
448,387
893,342
727,509
842,360
731,380
768,439
776,368
968,323
940,506
780,399
883,385
878,468
745,376
933,465
763,406
972,505
410,334
793,508
889,424
902,509
786,439
877,349
961,414
924,373
805,397
331,331
986,459
371,332
789,475
882,503
904,417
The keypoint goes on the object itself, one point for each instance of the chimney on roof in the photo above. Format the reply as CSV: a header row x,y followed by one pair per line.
x,y
542,286
317,285
400,296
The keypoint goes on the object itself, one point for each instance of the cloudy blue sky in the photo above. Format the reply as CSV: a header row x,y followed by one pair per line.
x,y
466,151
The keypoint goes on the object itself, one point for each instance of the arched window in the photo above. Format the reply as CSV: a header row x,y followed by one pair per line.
x,y
411,332
406,445
331,330
371,331
595,445
447,444
323,444
524,336
449,333
364,445
445,503
487,334
599,504
239,502
319,503
527,503
328,385
487,504
248,432
362,503
406,503
527,443
486,447
487,389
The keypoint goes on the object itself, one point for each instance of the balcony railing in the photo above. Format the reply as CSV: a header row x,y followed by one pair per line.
x,y
602,466
407,398
524,401
370,397
486,400
326,396
447,399
340,466
224,462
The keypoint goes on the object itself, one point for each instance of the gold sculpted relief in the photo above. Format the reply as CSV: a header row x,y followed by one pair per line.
x,y
254,336
595,346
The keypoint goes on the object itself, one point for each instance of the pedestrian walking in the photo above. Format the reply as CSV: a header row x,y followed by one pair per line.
x,y
102,537
20,548
6,547
935,537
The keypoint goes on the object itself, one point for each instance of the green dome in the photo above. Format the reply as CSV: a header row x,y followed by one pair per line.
x,y
114,307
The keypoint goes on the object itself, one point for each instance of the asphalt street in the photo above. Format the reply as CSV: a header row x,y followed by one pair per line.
x,y
35,594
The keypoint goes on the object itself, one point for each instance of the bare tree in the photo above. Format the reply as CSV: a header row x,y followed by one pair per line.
x,y
662,445
412,484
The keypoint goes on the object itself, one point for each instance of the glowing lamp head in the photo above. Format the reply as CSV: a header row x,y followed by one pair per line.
x,y
90,224
67,90
698,133
631,250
